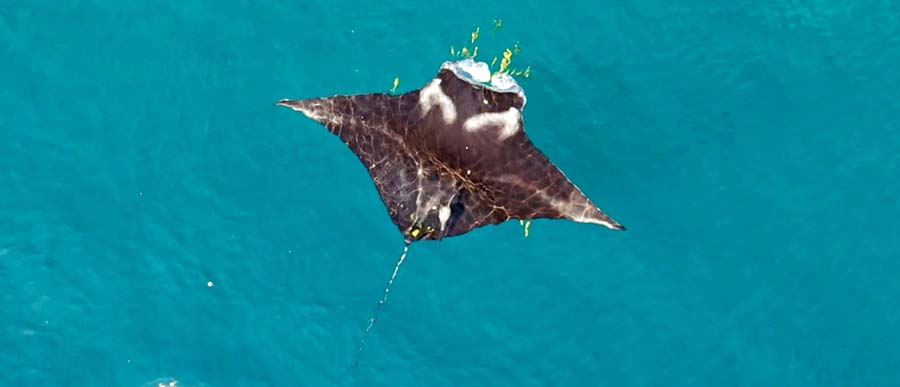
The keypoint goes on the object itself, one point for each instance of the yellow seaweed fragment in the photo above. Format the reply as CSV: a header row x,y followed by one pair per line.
x,y
396,83
470,50
507,59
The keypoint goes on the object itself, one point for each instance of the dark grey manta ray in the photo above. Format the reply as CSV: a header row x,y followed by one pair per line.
x,y
453,156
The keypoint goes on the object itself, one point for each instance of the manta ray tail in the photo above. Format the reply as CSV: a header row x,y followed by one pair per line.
x,y
387,290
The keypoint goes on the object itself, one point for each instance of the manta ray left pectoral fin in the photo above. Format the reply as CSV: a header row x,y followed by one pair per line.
x,y
374,126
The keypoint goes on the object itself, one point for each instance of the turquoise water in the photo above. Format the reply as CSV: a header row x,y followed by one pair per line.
x,y
750,147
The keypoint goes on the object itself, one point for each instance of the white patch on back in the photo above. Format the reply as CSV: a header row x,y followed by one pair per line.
x,y
432,95
508,122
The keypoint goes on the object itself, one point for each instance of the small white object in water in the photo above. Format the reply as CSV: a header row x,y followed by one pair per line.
x,y
210,284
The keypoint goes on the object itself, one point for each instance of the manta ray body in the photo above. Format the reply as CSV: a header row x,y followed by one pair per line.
x,y
453,155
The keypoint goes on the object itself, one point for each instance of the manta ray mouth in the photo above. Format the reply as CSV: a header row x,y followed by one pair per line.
x,y
479,74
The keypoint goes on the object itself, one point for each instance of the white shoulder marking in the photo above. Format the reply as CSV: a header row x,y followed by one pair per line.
x,y
432,95
508,122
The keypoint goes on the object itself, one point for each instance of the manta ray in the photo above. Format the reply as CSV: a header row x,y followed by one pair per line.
x,y
452,156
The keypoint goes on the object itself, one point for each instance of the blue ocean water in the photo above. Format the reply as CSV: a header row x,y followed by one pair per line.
x,y
750,147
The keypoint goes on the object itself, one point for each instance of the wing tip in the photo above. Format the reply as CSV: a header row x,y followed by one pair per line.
x,y
612,224
286,102
602,220
307,107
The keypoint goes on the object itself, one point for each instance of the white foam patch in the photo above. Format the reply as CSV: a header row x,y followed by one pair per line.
x,y
476,71
479,73
503,81
432,95
508,122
